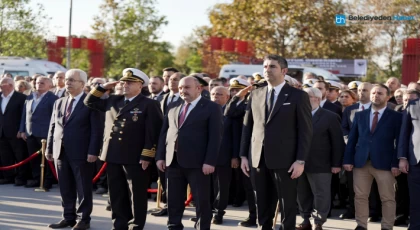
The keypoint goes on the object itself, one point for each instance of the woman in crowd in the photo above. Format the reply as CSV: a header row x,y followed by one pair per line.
x,y
23,86
347,98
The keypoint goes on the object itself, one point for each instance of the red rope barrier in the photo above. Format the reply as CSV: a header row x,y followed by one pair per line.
x,y
101,171
189,199
50,163
152,190
20,163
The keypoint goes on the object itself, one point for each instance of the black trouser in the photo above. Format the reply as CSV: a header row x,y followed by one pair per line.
x,y
349,176
237,191
402,196
250,197
75,181
127,186
34,144
221,182
178,179
272,185
12,151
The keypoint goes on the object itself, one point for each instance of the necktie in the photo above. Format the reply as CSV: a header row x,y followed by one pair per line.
x,y
68,111
172,99
270,104
183,115
374,122
126,102
363,108
154,97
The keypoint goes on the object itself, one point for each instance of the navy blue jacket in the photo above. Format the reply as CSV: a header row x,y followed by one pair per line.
x,y
409,145
36,123
380,146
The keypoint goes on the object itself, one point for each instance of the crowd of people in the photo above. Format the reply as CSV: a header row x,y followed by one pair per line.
x,y
270,140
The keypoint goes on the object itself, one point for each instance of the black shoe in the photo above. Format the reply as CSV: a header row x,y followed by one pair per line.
x,y
6,181
400,221
217,219
347,215
374,219
63,224
20,183
360,228
32,184
194,219
81,226
248,222
48,185
108,207
101,191
163,212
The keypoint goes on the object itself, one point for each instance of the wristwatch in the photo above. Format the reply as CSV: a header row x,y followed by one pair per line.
x,y
300,162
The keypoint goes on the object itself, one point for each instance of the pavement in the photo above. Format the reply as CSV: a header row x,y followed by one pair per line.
x,y
23,209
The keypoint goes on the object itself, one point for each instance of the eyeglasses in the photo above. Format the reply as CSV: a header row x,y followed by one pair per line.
x,y
71,80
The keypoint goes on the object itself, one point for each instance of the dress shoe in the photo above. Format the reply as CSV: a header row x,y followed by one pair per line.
x,y
248,222
32,184
108,207
347,215
374,219
360,228
318,227
48,185
162,212
81,226
194,219
6,181
20,183
101,191
304,227
217,219
63,224
400,221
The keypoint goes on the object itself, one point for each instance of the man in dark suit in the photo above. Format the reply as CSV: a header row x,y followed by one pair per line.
x,y
74,141
276,137
324,159
131,134
156,84
371,151
12,148
173,95
326,104
59,83
409,157
188,149
167,73
34,126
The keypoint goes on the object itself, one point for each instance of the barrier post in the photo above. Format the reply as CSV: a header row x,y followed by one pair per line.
x,y
158,197
41,184
188,191
276,215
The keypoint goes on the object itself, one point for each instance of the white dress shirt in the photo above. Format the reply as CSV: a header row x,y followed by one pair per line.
x,y
365,106
192,106
76,100
37,100
277,90
5,100
372,115
174,96
59,92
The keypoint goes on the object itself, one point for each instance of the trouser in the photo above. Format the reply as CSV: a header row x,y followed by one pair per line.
x,y
12,151
221,182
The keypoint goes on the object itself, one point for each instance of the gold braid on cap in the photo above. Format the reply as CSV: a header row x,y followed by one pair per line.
x,y
129,76
235,85
354,85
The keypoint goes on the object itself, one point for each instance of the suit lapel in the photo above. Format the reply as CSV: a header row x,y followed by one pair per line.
x,y
43,100
284,93
30,102
193,113
76,110
262,104
1,98
11,101
316,117
63,108
177,109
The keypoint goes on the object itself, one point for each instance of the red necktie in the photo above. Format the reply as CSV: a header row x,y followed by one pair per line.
x,y
68,111
363,108
374,122
183,115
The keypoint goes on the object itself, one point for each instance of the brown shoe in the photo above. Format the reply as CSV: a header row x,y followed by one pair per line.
x,y
304,227
318,227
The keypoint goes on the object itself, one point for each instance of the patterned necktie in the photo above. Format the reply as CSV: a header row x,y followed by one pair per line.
x,y
68,111
374,122
183,115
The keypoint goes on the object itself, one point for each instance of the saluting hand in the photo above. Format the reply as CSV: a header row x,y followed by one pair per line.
x,y
91,158
296,169
208,169
245,166
241,94
144,164
110,85
161,165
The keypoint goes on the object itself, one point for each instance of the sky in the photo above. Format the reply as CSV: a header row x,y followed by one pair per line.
x,y
182,16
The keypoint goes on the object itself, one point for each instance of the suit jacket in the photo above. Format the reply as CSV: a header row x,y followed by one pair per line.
x,y
131,131
333,108
348,116
236,112
10,119
36,123
205,94
225,154
327,147
164,103
379,146
337,103
399,108
65,93
159,98
287,134
198,138
409,145
81,135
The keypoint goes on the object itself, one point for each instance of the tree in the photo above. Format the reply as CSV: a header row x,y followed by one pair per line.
x,y
130,30
22,29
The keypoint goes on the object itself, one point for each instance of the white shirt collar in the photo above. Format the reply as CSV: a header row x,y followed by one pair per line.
x,y
131,98
77,98
8,96
323,102
158,94
171,95
278,88
366,106
314,111
194,103
35,94
381,111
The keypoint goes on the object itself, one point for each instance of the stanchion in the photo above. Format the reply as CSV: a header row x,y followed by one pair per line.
x,y
188,193
276,214
41,184
158,197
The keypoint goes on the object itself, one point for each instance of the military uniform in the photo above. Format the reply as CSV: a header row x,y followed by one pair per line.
x,y
131,134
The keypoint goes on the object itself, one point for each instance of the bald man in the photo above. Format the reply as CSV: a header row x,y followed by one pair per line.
x,y
393,84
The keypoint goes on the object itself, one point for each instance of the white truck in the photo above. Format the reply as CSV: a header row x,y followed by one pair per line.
x,y
24,66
